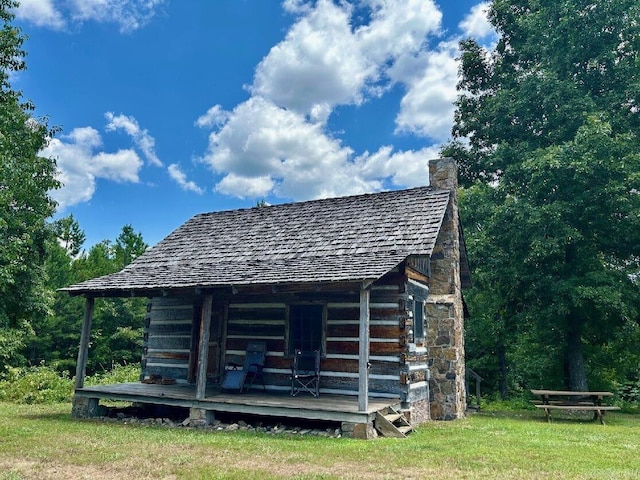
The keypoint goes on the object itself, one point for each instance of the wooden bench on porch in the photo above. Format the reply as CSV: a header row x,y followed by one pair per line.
x,y
573,401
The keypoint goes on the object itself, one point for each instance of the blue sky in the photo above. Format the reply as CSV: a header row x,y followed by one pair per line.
x,y
170,108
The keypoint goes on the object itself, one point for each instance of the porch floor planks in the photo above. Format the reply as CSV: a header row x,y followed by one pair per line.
x,y
330,407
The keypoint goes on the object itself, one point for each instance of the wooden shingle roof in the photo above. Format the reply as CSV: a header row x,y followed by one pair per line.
x,y
338,239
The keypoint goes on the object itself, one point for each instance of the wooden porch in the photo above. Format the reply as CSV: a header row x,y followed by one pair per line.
x,y
327,407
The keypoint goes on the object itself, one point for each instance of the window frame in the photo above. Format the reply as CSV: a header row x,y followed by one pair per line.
x,y
419,334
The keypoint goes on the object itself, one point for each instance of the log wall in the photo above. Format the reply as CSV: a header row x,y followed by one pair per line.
x,y
263,318
396,368
167,338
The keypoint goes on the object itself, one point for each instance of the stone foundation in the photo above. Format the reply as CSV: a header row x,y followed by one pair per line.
x,y
419,412
199,417
363,431
83,407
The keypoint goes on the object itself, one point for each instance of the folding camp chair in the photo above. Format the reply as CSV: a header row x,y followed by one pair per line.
x,y
305,373
241,380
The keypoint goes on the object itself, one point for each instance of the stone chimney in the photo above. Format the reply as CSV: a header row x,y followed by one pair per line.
x,y
444,308
443,174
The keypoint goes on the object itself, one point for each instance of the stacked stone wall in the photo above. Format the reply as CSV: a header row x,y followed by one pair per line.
x,y
444,309
419,412
446,357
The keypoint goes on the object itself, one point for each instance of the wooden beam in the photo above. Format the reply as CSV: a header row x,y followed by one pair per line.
x,y
363,364
85,336
203,346
415,275
285,288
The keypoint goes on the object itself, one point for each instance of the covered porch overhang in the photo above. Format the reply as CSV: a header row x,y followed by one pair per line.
x,y
358,409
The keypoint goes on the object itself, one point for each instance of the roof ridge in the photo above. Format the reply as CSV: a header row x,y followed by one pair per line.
x,y
359,196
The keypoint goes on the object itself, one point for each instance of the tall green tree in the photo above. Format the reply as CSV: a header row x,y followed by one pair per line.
x,y
547,132
25,204
69,234
129,245
117,322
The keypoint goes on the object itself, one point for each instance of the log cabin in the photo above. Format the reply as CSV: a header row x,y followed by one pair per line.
x,y
373,282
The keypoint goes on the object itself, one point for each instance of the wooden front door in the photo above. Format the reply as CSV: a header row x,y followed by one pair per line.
x,y
214,364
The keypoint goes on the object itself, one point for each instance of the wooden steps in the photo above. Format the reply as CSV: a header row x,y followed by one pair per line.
x,y
391,423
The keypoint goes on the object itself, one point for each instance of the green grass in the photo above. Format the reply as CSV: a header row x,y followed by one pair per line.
x,y
43,442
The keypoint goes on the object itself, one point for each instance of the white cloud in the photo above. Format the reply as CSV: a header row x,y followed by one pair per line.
x,y
339,53
122,166
476,23
277,143
79,166
431,77
318,63
296,6
398,28
324,62
268,147
129,15
427,107
215,116
87,137
41,13
181,179
245,187
265,149
141,137
404,169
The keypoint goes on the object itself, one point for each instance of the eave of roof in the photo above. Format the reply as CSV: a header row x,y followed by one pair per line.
x,y
342,268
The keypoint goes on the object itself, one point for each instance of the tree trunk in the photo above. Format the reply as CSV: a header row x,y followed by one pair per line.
x,y
575,362
502,366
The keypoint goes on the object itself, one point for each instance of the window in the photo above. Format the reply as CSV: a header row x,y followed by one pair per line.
x,y
306,328
418,321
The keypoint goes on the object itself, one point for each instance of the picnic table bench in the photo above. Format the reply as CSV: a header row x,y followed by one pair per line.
x,y
577,401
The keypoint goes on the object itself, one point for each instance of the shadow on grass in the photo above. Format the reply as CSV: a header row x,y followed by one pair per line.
x,y
563,418
527,415
57,416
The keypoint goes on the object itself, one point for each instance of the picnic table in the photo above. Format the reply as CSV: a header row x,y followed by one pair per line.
x,y
570,400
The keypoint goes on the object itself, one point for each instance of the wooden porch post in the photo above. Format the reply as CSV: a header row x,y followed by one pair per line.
x,y
203,347
85,336
363,366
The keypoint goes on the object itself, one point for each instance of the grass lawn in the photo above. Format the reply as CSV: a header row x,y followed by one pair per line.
x,y
43,442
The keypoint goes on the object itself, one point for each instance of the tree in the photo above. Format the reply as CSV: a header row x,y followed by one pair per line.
x,y
117,322
129,245
547,133
69,234
556,63
25,204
